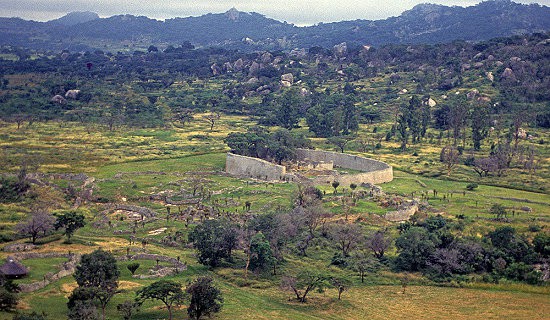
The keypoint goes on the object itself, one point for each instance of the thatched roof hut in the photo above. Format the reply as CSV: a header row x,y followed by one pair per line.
x,y
13,269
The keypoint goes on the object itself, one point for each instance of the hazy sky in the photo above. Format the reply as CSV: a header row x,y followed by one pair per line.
x,y
300,12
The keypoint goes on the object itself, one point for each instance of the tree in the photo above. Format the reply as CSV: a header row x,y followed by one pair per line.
x,y
8,300
449,156
498,210
127,309
304,283
403,131
340,141
205,298
83,310
333,114
346,237
168,292
97,277
335,185
479,119
261,256
132,267
214,240
415,245
287,109
362,263
341,284
378,243
70,221
40,222
212,119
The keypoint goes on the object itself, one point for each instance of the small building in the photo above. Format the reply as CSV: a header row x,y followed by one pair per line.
x,y
13,269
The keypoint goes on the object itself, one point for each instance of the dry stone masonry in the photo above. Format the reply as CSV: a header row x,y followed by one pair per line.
x,y
372,171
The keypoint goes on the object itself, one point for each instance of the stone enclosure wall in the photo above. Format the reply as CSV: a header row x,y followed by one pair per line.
x,y
373,171
253,168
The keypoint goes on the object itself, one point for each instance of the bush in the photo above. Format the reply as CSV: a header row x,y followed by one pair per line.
x,y
8,300
469,161
472,186
30,316
48,239
339,260
133,267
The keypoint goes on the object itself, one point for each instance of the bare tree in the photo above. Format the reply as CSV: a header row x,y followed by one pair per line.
x,y
346,237
449,156
40,223
212,119
378,243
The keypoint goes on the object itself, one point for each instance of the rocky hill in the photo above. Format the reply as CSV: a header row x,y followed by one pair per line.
x,y
425,23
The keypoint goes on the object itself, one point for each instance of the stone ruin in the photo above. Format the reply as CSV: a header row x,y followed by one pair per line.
x,y
320,164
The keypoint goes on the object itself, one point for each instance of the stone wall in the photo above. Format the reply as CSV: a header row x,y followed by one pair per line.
x,y
253,168
374,171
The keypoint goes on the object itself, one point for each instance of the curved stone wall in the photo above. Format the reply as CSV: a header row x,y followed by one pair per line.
x,y
253,168
374,171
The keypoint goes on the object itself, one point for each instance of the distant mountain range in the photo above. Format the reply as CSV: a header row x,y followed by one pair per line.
x,y
425,23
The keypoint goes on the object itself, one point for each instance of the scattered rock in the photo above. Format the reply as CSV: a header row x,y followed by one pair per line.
x,y
288,77
507,73
59,99
472,93
340,50
238,65
72,94
266,58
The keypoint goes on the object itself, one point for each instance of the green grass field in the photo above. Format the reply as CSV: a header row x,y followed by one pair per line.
x,y
130,166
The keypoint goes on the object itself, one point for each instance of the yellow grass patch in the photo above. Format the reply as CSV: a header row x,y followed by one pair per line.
x,y
23,305
67,288
126,285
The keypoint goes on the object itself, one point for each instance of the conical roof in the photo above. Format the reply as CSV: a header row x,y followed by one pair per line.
x,y
13,268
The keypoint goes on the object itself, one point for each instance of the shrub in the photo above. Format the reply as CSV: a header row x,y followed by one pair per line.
x,y
133,267
471,186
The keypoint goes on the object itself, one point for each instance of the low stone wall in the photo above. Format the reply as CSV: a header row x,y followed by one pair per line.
x,y
374,172
253,168
66,269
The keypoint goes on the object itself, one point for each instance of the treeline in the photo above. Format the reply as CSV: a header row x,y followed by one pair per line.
x,y
431,245
517,68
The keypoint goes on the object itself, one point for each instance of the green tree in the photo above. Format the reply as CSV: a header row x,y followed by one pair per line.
x,y
127,309
479,120
205,298
498,210
8,300
168,292
288,107
214,240
97,277
415,245
132,267
403,131
340,141
70,221
363,264
305,282
335,185
261,256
